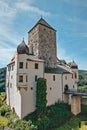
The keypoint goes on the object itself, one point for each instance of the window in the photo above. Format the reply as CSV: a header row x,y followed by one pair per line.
x,y
26,78
21,78
66,88
72,76
11,76
36,65
20,65
9,68
12,67
26,65
10,85
31,88
65,77
53,77
75,75
35,78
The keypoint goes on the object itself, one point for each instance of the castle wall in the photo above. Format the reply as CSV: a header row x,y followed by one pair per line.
x,y
54,88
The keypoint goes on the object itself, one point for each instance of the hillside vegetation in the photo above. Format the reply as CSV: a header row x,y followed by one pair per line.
x,y
82,78
2,79
56,117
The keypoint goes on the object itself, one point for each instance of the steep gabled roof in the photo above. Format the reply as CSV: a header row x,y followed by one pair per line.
x,y
44,23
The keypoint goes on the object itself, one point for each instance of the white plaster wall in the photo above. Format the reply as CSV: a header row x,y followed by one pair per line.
x,y
69,81
28,97
72,84
54,88
13,95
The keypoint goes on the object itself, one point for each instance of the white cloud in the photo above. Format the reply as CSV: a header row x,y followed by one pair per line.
x,y
63,55
6,10
26,7
5,56
78,3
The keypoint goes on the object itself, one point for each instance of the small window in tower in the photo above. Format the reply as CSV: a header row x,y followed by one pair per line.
x,y
35,78
53,77
21,78
36,65
20,65
75,75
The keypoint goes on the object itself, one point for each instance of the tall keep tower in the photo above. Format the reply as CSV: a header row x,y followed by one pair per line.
x,y
42,42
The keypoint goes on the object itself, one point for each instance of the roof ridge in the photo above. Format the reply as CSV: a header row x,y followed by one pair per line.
x,y
43,22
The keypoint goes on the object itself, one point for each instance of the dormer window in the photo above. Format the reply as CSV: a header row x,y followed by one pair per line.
x,y
21,65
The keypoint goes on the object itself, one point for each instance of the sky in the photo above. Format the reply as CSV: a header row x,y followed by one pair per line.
x,y
67,17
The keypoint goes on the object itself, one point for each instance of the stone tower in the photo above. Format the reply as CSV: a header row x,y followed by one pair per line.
x,y
42,42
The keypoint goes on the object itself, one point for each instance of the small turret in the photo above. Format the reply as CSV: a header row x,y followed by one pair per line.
x,y
73,65
74,68
22,48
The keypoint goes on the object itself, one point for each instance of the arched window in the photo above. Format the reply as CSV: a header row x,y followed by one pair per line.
x,y
66,88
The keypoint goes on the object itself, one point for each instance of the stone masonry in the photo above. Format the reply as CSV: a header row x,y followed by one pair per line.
x,y
42,43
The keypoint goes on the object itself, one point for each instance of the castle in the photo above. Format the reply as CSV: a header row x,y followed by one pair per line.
x,y
36,60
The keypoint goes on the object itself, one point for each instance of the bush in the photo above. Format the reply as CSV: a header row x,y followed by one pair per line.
x,y
84,109
43,123
22,125
3,110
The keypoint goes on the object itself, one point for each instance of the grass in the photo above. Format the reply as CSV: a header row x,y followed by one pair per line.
x,y
72,124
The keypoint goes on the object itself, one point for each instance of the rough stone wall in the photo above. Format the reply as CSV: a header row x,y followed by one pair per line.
x,y
43,40
33,40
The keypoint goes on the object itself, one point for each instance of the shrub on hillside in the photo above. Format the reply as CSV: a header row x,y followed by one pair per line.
x,y
43,123
3,110
21,125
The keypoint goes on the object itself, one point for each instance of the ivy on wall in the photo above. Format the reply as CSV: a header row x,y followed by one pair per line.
x,y
41,96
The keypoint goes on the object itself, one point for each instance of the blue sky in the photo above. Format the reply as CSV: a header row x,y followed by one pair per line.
x,y
68,17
